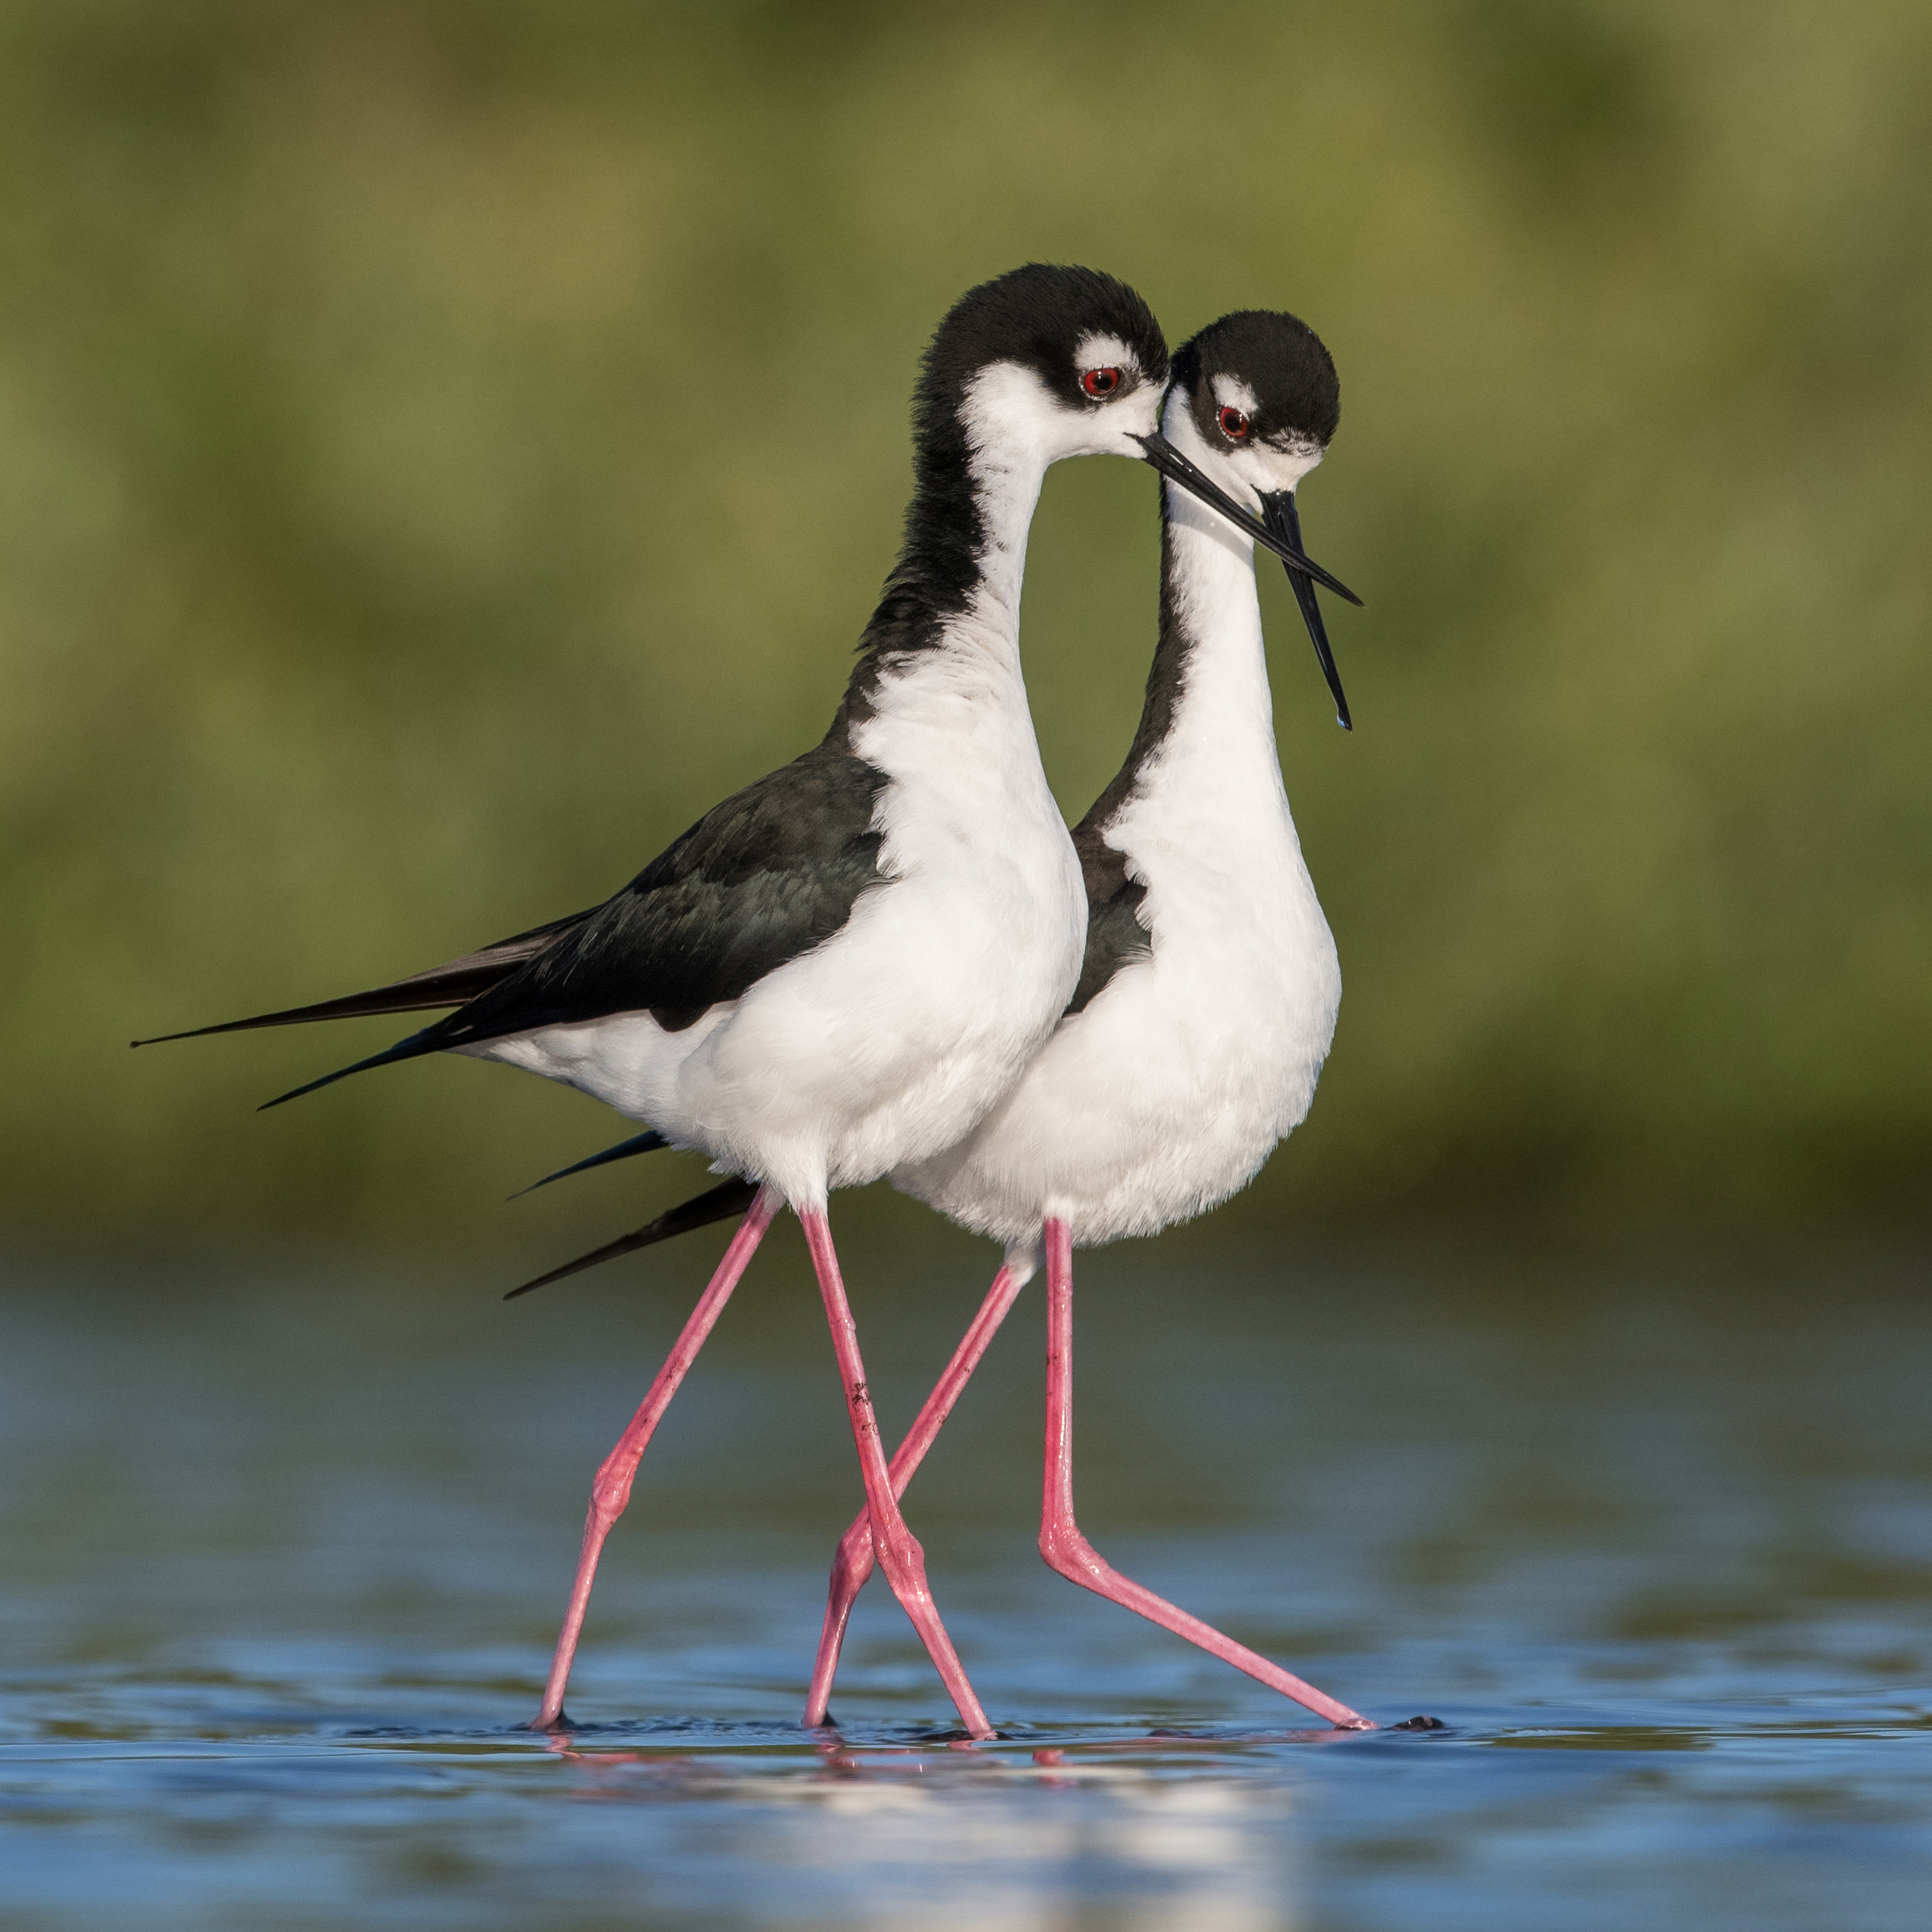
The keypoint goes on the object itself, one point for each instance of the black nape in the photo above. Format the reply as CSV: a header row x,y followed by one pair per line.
x,y
1036,317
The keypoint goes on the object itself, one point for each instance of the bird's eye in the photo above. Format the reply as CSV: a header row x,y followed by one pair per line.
x,y
1100,382
1234,425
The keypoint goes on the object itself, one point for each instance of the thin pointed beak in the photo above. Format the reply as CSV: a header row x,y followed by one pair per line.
x,y
1281,516
1178,468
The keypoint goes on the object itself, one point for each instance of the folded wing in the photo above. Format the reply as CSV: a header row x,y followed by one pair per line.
x,y
768,874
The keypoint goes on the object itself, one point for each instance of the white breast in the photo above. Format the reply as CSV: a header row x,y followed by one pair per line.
x,y
1167,1093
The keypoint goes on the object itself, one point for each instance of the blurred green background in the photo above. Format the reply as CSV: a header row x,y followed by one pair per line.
x,y
444,447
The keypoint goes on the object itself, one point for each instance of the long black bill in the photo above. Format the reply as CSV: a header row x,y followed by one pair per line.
x,y
730,1197
1278,511
1180,469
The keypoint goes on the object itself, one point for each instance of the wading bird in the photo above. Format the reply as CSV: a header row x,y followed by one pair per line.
x,y
1208,995
840,969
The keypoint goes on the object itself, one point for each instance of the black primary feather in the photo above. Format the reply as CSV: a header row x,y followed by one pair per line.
x,y
769,874
450,985
647,1142
720,1204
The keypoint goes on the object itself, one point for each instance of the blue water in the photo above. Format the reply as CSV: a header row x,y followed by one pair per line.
x,y
284,1551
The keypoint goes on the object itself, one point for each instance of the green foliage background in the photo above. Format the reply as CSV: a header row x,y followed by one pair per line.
x,y
444,447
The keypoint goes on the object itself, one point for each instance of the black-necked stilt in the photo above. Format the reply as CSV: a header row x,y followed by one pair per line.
x,y
841,969
1208,994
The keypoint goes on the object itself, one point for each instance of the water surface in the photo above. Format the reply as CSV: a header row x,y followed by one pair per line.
x,y
283,1552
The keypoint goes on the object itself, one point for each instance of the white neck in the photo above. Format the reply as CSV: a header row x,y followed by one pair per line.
x,y
1220,738
954,715
1008,461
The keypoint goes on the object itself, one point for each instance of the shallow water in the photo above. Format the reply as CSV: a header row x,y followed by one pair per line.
x,y
283,1555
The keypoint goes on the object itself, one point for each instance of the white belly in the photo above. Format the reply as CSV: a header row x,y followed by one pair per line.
x,y
1165,1096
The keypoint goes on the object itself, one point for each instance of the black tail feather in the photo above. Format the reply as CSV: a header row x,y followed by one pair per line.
x,y
648,1142
413,1048
451,991
455,984
730,1197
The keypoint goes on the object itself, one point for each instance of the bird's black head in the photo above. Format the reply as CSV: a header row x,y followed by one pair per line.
x,y
1068,358
1257,380
1254,404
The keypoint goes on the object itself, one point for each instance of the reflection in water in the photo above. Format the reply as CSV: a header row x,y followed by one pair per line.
x,y
959,1833
283,1562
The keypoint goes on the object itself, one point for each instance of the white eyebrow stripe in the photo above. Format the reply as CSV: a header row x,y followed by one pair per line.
x,y
1095,350
1231,392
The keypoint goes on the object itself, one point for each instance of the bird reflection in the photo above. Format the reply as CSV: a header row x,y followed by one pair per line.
x,y
1005,1834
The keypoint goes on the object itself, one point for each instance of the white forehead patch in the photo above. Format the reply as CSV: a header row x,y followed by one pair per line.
x,y
1231,392
1095,350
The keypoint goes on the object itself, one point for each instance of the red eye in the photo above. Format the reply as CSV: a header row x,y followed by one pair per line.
x,y
1234,425
1100,382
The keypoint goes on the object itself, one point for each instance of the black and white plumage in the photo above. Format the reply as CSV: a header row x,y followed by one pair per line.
x,y
1209,985
835,973
840,968
846,962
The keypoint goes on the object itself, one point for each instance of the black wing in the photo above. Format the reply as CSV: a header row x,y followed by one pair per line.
x,y
1115,934
767,875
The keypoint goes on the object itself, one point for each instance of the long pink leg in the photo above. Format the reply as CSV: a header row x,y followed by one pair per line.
x,y
854,1563
610,1491
898,1549
1069,1553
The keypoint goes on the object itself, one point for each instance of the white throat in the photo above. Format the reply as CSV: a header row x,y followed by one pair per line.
x,y
1011,430
1220,738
